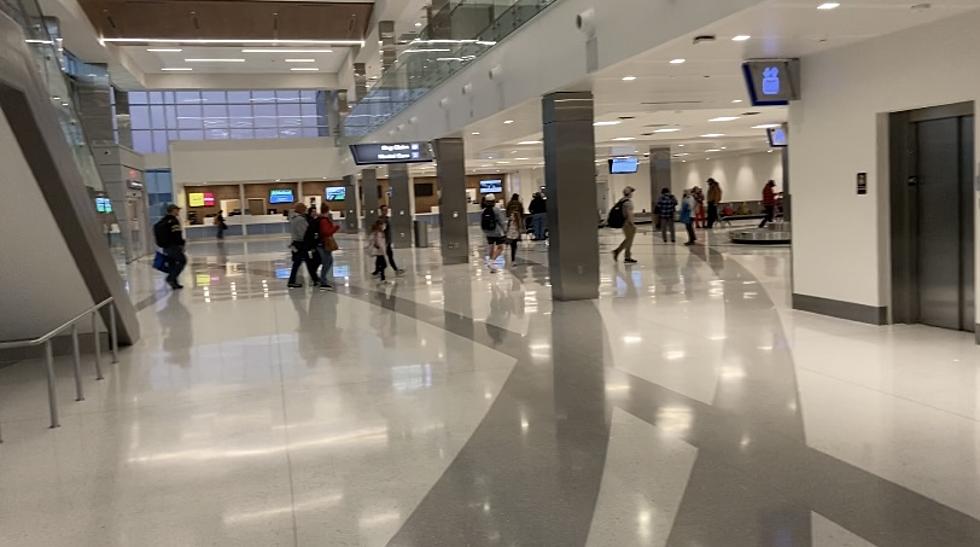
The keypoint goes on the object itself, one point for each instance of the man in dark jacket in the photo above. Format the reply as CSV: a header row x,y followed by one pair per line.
x,y
389,250
538,210
170,239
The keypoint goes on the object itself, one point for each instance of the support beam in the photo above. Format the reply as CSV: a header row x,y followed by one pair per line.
x,y
351,214
400,204
569,150
369,207
659,174
453,224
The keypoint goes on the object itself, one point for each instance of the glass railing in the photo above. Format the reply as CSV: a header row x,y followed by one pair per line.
x,y
457,34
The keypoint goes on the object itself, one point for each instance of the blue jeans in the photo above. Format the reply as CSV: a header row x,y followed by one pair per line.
x,y
326,258
538,222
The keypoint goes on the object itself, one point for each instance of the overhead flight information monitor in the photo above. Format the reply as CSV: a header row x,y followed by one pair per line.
x,y
772,82
397,152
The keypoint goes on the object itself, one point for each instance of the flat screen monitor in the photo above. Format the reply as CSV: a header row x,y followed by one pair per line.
x,y
335,193
425,190
281,196
103,205
494,186
772,82
208,199
777,137
395,152
200,199
624,165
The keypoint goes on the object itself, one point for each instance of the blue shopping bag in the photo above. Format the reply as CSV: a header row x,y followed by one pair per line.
x,y
161,263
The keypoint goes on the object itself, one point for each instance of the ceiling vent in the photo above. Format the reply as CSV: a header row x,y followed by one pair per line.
x,y
704,39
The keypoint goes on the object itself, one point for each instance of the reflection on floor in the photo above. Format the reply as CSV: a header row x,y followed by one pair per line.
x,y
687,406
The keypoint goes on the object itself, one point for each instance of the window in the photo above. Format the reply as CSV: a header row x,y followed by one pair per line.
x,y
160,116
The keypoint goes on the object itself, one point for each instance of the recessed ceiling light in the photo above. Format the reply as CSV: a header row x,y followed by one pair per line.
x,y
214,60
713,150
521,159
681,155
678,61
724,119
284,50
418,25
177,69
304,69
682,145
736,101
607,124
629,78
503,163
475,133
829,5
625,139
300,60
525,143
508,122
712,135
667,130
741,38
767,126
231,41
165,49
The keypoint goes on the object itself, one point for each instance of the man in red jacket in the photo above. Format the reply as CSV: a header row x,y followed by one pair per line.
x,y
768,202
326,245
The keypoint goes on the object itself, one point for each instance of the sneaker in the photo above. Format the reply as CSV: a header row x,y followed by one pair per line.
x,y
316,283
629,261
375,274
399,273
327,288
176,286
615,255
689,243
295,285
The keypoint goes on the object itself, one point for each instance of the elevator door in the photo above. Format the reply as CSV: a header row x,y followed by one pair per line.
x,y
944,227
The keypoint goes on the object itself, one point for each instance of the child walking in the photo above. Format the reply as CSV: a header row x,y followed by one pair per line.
x,y
376,246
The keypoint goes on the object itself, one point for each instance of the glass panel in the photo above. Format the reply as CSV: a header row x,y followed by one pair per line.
x,y
263,97
308,95
213,97
157,120
168,97
139,117
309,115
188,97
191,135
156,97
287,133
287,95
160,142
289,115
239,97
215,115
240,115
266,134
170,115
265,115
310,132
137,97
216,134
173,136
142,142
242,134
189,117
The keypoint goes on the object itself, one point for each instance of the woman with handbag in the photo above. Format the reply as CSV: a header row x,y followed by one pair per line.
x,y
515,225
326,246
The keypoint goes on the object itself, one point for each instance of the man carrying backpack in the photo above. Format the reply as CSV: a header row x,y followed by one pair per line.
x,y
621,216
493,222
170,238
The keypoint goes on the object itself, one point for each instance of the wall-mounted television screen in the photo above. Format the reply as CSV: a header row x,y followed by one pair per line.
x,y
777,137
623,165
335,193
495,186
281,196
772,82
103,205
200,199
425,190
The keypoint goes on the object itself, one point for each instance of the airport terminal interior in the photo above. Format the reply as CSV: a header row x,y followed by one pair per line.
x,y
457,273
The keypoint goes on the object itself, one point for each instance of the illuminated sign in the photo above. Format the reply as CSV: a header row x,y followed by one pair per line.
x,y
772,82
400,152
195,199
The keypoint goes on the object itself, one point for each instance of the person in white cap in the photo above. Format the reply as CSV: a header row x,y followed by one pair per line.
x,y
493,222
629,226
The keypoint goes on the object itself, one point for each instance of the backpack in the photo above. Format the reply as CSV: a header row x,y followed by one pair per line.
x,y
160,230
617,219
488,219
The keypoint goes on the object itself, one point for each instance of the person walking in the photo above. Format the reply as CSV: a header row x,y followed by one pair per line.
x,y
699,214
299,229
515,206
714,199
378,248
688,206
625,207
169,237
389,251
326,245
515,223
219,222
768,202
493,222
666,206
538,209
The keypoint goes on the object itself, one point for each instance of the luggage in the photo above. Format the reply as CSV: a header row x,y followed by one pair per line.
x,y
161,262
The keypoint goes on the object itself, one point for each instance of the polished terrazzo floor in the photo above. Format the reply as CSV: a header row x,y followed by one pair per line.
x,y
688,406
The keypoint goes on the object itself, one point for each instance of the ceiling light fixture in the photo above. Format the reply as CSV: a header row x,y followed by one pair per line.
x,y
231,41
528,143
165,49
433,50
475,133
623,139
304,69
508,122
767,126
606,124
741,38
678,61
737,101
713,150
629,78
214,60
177,69
724,119
828,6
712,135
667,130
284,50
300,60
418,25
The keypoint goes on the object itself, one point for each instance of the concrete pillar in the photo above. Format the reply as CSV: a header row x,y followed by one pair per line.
x,y
124,130
386,33
244,208
659,173
351,212
400,205
787,195
369,207
453,224
569,151
360,81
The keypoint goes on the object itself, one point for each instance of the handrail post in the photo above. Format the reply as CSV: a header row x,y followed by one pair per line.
x,y
77,363
98,345
52,394
113,334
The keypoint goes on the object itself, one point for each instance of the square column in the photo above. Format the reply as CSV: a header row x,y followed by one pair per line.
x,y
351,215
569,151
369,207
659,174
453,224
400,205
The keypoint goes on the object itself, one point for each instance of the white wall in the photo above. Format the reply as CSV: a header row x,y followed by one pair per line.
x,y
841,241
741,177
198,162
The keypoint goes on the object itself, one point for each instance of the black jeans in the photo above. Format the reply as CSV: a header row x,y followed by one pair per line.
x,y
176,260
301,255
712,213
691,237
391,257
379,266
770,214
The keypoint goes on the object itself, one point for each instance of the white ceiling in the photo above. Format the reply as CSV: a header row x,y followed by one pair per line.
x,y
151,62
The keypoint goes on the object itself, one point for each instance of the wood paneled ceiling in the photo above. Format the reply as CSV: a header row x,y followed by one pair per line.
x,y
229,19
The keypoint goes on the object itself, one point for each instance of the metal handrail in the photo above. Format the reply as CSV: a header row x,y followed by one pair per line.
x,y
76,352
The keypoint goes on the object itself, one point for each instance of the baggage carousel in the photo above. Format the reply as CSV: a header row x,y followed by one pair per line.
x,y
774,234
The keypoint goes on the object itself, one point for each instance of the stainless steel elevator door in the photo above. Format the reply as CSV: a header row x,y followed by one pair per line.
x,y
945,223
